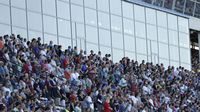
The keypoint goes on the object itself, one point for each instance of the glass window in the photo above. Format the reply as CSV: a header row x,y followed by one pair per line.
x,y
151,32
117,40
18,3
34,5
140,58
63,10
34,34
90,3
5,14
117,55
158,3
184,40
103,5
174,63
179,5
79,2
129,43
64,0
115,7
174,53
151,16
105,50
173,37
189,7
140,30
49,7
163,51
93,47
18,17
91,34
35,21
130,55
80,30
82,43
161,19
162,35
104,37
141,46
185,55
153,58
186,66
90,17
197,10
172,21
139,13
152,47
116,23
4,30
4,1
76,43
128,26
165,62
64,42
183,24
104,20
127,10
22,32
148,1
50,25
77,13
168,4
64,28
48,38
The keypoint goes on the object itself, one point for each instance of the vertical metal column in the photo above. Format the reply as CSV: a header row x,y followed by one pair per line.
x,y
168,39
42,22
195,5
27,20
110,29
10,16
57,21
157,37
184,7
76,36
84,25
70,13
151,51
146,33
134,34
122,16
179,43
97,12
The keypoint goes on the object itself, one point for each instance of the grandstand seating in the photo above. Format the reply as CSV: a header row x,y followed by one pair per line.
x,y
42,77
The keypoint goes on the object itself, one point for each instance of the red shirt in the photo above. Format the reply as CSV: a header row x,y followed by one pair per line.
x,y
107,107
26,68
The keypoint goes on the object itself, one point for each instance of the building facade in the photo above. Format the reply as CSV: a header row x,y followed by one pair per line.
x,y
113,27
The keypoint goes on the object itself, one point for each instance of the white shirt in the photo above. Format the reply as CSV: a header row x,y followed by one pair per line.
x,y
146,90
43,52
5,89
134,99
169,109
74,76
89,100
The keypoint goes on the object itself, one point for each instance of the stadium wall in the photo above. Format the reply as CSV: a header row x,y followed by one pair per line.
x,y
114,27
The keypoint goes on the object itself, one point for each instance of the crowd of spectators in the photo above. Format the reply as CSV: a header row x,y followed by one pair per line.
x,y
37,77
195,60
